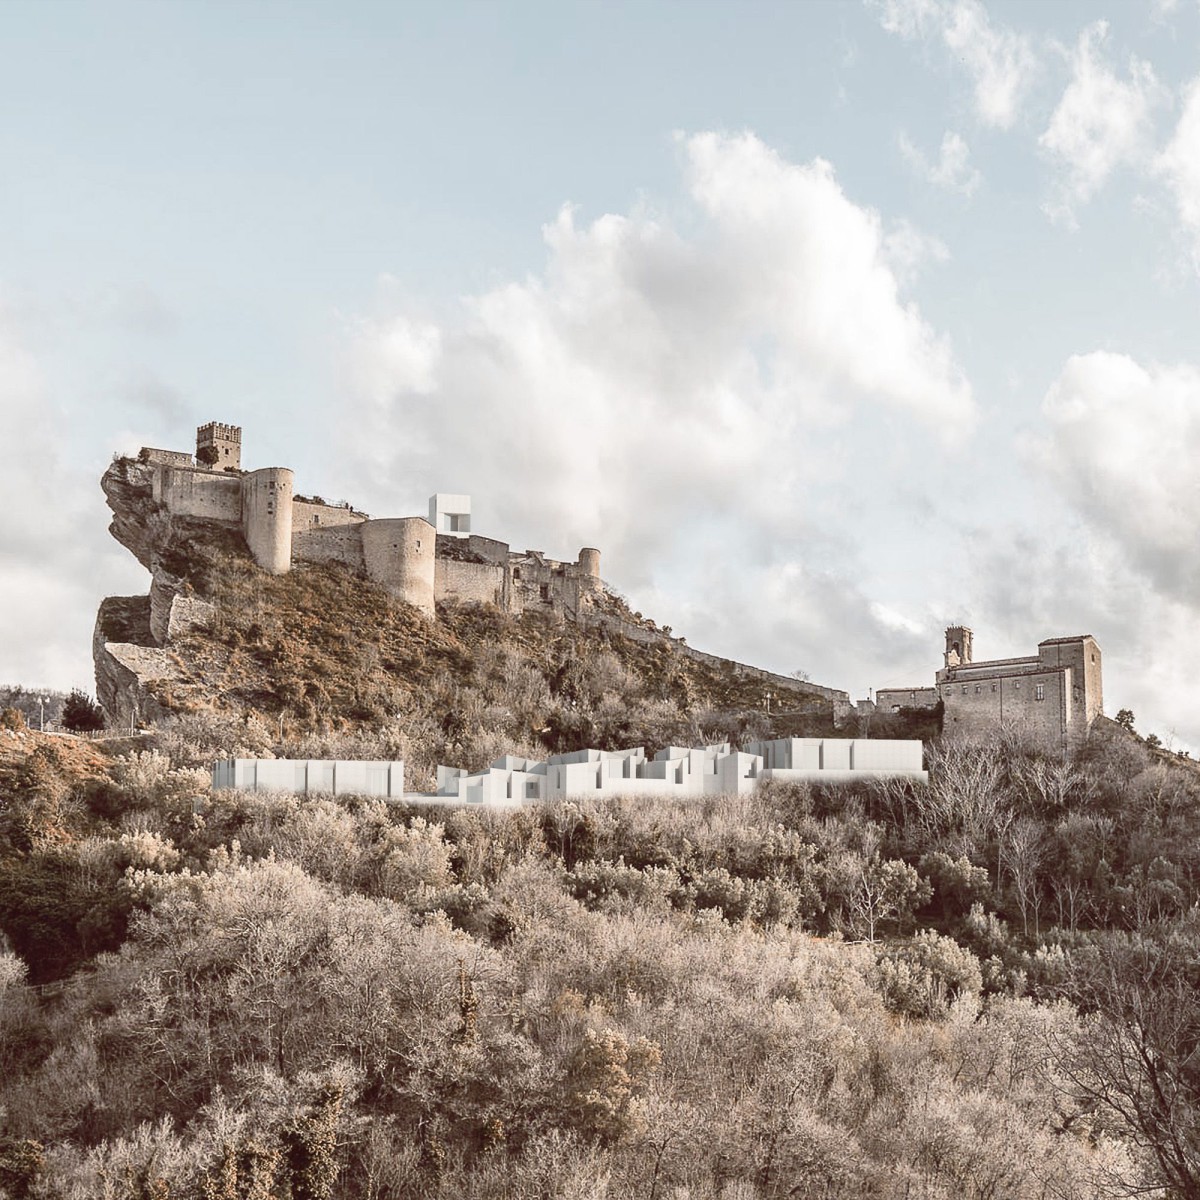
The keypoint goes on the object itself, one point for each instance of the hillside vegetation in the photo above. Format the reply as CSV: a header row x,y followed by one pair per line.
x,y
983,987
320,654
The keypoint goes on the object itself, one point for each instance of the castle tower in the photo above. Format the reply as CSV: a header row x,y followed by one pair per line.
x,y
219,446
399,553
267,517
589,568
958,646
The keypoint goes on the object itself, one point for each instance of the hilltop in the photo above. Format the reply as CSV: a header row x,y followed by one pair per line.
x,y
324,647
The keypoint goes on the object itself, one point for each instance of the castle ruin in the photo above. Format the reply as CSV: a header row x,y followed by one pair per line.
x,y
419,560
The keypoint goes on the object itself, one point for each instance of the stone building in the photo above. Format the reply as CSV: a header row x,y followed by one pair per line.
x,y
420,561
1053,696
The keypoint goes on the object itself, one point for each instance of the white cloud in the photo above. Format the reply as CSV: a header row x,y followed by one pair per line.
x,y
1122,444
1179,166
685,401
1000,61
952,171
1101,121
54,553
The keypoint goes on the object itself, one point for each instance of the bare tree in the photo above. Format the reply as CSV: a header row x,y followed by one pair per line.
x,y
1136,1058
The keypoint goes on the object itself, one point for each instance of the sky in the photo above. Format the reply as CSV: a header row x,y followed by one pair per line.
x,y
830,324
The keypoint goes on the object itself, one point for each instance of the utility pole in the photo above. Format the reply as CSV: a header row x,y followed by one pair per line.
x,y
42,711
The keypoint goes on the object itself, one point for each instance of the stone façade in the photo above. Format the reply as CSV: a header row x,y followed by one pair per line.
x,y
1053,696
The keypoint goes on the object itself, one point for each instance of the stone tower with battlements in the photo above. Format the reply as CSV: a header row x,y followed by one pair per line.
x,y
219,446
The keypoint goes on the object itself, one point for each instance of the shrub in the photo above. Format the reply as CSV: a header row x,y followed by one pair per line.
x,y
925,975
12,718
81,714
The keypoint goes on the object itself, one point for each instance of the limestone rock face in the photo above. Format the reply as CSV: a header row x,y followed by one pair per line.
x,y
126,664
132,632
138,523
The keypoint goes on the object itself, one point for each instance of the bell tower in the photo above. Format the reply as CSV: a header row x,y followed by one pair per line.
x,y
958,646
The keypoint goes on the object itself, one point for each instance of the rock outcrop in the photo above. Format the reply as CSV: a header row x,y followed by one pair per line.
x,y
130,645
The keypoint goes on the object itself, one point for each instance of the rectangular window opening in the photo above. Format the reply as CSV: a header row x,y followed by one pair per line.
x,y
1039,691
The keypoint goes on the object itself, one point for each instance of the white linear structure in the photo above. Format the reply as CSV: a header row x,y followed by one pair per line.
x,y
338,777
674,771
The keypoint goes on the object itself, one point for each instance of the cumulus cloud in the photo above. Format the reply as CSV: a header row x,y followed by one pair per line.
x,y
685,392
952,170
1000,61
1101,122
1121,447
53,547
1179,166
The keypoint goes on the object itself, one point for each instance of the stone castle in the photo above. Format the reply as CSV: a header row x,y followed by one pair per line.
x,y
1054,695
420,560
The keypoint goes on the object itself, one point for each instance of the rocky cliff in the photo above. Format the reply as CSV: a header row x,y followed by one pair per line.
x,y
133,633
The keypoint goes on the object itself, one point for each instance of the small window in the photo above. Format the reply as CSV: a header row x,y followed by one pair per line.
x,y
993,687
1016,685
271,484
1039,691
964,689
978,688
516,572
545,590
418,543
270,507
316,519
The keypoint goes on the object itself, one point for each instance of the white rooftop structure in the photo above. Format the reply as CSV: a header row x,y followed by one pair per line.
x,y
674,771
450,514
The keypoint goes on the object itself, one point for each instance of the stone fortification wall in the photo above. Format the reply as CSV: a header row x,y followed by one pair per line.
x,y
399,553
888,699
196,492
340,544
306,514
170,458
469,582
647,637
267,517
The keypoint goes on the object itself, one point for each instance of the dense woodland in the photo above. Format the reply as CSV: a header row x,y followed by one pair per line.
x,y
983,987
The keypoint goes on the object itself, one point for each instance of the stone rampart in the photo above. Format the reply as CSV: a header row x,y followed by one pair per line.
x,y
306,514
649,637
468,582
196,492
340,544
399,553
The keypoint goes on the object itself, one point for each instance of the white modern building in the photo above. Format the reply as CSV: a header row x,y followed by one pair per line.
x,y
673,771
450,513
338,777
